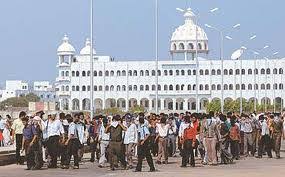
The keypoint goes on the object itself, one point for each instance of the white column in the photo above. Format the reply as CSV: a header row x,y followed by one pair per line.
x,y
162,104
185,105
174,104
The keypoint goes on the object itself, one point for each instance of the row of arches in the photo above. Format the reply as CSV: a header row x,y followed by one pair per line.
x,y
176,87
189,46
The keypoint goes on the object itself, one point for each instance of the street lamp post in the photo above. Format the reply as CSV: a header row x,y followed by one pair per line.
x,y
91,64
156,56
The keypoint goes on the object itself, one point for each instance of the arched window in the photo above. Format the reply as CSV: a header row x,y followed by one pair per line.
x,y
123,88
267,71
118,73
182,87
77,73
213,72
130,88
146,73
237,72
165,72
106,73
190,46
159,73
189,72
201,72
141,88
281,86
194,87
256,71
67,88
213,87
171,87
262,71
249,71
206,72
237,87
95,88
177,72
174,47
182,72
268,86
226,87
181,46
83,73
67,73
111,88
153,72
225,72
130,73
280,71
95,73
262,86
118,88
100,73
77,88
243,86
100,88
200,46
201,87
135,88
275,86
218,72
170,72
194,72
177,87
243,71
249,87
62,74
189,87
73,73
88,73
88,88
218,87
106,88
112,73
231,72
159,87
124,73
153,87
165,87
206,87
83,88
231,87
147,88
141,72
256,87
135,73
275,71
73,88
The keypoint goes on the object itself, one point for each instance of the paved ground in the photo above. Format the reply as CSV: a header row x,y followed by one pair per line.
x,y
249,167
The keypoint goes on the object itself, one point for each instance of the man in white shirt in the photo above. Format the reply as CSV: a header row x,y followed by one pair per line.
x,y
247,128
130,140
54,131
172,135
162,133
264,141
103,139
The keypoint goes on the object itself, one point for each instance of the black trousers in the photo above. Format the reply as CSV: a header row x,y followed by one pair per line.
x,y
144,152
19,139
53,150
234,144
265,143
72,149
94,149
187,152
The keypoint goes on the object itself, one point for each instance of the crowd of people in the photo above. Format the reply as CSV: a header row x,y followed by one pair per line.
x,y
114,141
5,130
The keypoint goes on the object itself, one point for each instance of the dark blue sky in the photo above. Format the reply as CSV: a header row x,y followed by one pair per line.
x,y
31,30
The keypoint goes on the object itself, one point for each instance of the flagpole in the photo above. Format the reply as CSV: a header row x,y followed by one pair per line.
x,y
91,64
156,56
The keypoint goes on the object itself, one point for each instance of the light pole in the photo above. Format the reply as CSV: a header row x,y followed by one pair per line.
x,y
91,64
274,89
156,56
221,56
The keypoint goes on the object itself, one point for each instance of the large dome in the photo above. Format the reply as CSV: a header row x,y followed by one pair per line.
x,y
86,49
65,47
184,37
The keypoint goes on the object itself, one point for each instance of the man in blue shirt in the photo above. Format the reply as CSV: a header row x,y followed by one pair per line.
x,y
143,146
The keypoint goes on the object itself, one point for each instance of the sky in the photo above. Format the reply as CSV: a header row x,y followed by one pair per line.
x,y
31,30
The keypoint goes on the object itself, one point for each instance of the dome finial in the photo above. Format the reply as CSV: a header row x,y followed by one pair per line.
x,y
65,38
88,42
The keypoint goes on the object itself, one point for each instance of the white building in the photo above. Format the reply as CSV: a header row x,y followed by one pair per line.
x,y
127,83
13,88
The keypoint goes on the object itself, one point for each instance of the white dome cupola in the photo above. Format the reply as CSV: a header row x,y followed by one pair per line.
x,y
86,50
184,38
65,48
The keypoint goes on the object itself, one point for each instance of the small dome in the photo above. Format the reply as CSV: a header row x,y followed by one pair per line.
x,y
187,32
65,47
86,49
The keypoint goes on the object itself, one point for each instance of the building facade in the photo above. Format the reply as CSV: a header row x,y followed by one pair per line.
x,y
182,84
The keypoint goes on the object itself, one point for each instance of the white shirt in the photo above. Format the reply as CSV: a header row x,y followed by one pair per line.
x,y
182,127
264,128
246,126
162,130
102,135
54,128
172,129
131,135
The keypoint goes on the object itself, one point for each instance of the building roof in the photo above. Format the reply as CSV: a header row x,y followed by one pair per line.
x,y
65,47
86,50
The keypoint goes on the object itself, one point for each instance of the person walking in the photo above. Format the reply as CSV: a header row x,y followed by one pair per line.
x,y
264,139
103,139
277,132
143,146
162,130
17,133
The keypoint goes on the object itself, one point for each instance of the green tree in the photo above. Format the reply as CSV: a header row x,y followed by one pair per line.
x,y
22,101
214,106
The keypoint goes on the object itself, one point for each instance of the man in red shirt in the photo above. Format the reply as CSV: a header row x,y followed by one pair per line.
x,y
189,139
